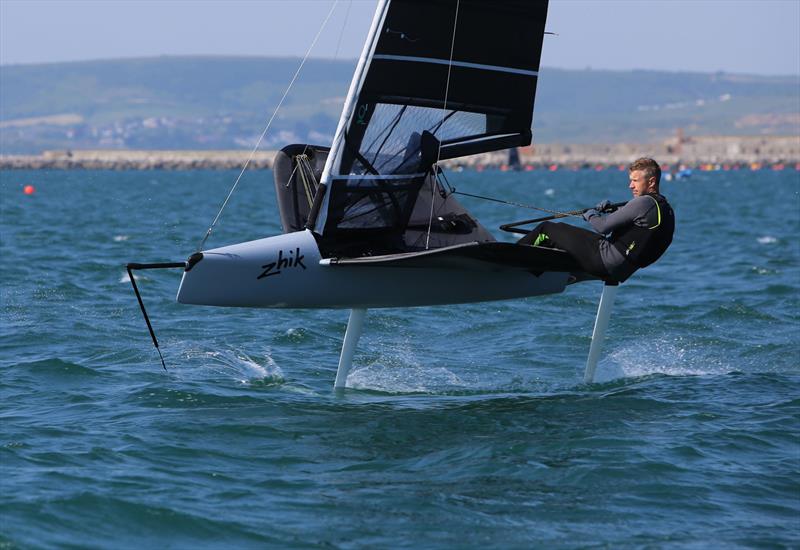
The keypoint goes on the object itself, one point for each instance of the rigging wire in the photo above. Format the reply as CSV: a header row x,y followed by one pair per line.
x,y
448,188
269,123
341,31
307,177
444,110
512,203
335,57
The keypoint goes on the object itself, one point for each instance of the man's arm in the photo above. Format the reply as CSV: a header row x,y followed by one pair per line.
x,y
621,218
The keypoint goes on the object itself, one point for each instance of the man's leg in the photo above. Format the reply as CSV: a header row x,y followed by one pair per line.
x,y
582,244
536,237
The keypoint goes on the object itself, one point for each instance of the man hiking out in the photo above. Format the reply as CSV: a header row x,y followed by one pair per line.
x,y
627,239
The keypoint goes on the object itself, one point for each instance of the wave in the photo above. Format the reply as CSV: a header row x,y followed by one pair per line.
x,y
56,367
668,357
247,369
127,520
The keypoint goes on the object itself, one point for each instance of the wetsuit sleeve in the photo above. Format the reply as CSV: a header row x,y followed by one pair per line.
x,y
625,216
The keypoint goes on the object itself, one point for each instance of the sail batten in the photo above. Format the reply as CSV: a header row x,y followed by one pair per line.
x,y
455,63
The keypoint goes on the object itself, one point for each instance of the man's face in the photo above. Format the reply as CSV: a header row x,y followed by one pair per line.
x,y
639,185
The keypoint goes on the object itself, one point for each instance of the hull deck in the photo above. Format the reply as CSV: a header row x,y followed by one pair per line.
x,y
487,256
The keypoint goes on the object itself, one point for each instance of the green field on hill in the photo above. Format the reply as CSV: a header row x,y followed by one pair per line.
x,y
224,103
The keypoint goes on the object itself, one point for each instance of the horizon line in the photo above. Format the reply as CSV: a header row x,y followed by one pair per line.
x,y
4,65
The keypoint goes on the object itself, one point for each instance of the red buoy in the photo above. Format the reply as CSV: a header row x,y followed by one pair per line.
x,y
29,190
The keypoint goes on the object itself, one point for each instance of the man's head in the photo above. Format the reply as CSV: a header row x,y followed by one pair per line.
x,y
645,175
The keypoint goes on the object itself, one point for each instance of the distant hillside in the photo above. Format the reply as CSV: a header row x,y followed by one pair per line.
x,y
636,106
224,103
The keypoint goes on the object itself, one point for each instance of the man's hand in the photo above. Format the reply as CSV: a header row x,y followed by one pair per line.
x,y
604,206
589,213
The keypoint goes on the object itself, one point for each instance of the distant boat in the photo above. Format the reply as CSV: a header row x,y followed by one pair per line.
x,y
513,159
368,222
682,174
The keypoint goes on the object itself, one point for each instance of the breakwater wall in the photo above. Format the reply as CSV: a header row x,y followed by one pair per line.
x,y
690,152
138,160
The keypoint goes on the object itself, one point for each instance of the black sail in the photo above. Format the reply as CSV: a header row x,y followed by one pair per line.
x,y
496,51
446,78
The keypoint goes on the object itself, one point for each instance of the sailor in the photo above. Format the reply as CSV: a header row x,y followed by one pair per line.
x,y
625,240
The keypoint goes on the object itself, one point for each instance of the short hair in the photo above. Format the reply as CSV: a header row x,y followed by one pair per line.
x,y
648,166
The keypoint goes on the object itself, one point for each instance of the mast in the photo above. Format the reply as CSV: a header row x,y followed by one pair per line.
x,y
334,156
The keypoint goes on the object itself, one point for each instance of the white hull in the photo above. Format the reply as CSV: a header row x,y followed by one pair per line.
x,y
285,272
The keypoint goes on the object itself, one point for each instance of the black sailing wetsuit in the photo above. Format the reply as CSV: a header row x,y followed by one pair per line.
x,y
634,236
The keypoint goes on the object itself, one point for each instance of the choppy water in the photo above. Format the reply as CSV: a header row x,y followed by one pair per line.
x,y
465,426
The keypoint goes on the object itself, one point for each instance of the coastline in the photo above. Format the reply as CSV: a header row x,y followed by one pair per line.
x,y
697,152
118,159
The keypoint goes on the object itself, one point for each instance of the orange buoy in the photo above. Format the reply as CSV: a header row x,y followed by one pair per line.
x,y
29,190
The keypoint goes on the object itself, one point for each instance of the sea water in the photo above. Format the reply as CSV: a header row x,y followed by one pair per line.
x,y
464,426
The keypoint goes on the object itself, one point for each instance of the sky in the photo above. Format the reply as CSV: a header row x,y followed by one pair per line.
x,y
735,36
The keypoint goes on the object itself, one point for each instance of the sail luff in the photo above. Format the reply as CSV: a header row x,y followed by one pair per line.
x,y
359,75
